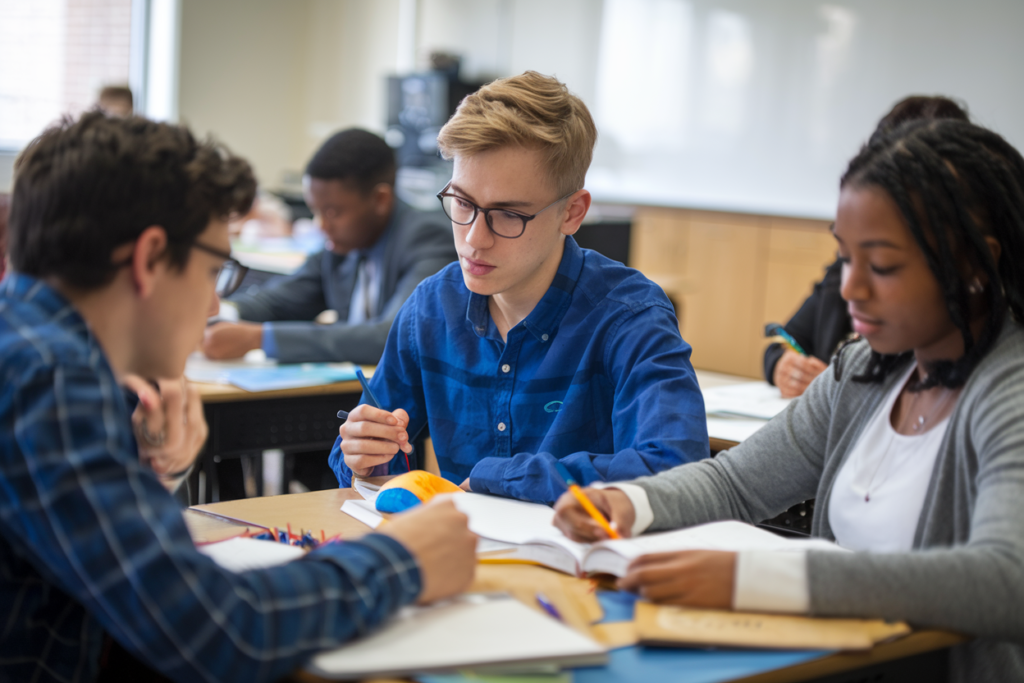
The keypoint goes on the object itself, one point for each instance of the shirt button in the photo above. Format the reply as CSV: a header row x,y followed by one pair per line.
x,y
506,367
501,426
544,337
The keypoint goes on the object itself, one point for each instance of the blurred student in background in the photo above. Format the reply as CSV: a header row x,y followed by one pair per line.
x,y
378,250
116,100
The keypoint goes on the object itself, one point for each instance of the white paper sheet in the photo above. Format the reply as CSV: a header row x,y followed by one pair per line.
x,y
241,554
364,511
752,399
365,489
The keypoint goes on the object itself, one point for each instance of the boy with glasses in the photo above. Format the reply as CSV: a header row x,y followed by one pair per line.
x,y
529,349
118,235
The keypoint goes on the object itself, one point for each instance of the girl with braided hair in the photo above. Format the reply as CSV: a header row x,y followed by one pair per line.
x,y
913,445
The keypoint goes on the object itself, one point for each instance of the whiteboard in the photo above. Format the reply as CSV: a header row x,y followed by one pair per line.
x,y
757,106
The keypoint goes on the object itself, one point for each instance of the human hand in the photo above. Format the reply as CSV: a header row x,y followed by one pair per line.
x,y
169,426
574,522
465,486
696,578
372,437
793,372
438,537
223,340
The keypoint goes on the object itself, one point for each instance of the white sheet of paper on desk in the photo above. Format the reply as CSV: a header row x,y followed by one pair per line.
x,y
241,554
736,429
365,489
507,520
752,399
364,511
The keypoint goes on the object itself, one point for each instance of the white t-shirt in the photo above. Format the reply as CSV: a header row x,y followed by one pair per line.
x,y
879,491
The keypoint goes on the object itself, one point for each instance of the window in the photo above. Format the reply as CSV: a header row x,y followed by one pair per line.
x,y
57,54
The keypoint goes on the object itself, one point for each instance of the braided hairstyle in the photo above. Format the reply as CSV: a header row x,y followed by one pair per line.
x,y
954,184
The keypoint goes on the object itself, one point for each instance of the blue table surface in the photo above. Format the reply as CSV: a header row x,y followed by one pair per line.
x,y
637,664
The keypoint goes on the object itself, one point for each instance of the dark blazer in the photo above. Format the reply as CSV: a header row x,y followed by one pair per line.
x,y
820,324
418,245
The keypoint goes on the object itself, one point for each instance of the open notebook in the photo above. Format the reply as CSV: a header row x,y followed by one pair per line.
x,y
516,530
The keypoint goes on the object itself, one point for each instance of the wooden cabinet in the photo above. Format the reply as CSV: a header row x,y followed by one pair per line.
x,y
729,274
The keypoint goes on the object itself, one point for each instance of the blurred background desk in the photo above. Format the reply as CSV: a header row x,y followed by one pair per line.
x,y
244,424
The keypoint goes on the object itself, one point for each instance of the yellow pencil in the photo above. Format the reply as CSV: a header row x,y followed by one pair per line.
x,y
576,491
593,511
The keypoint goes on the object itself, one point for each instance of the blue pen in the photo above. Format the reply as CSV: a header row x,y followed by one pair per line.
x,y
775,329
373,402
366,388
547,606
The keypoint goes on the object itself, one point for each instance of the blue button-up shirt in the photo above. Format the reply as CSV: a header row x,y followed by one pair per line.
x,y
91,542
596,376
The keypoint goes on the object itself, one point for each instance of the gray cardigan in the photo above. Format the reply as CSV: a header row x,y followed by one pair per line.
x,y
966,572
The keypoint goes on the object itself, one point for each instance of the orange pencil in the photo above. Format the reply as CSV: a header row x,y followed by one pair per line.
x,y
577,492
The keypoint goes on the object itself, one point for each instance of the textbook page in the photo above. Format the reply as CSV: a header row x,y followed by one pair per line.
x,y
527,526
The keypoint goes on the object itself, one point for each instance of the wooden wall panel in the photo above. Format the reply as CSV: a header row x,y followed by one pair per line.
x,y
726,267
730,274
798,253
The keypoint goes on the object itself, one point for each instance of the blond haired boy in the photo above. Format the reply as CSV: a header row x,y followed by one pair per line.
x,y
529,349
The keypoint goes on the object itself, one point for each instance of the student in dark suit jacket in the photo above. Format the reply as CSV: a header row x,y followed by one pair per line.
x,y
378,250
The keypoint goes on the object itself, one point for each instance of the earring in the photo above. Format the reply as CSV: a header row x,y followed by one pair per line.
x,y
976,287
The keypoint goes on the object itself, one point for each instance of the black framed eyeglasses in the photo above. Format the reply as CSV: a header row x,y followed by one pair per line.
x,y
231,274
502,222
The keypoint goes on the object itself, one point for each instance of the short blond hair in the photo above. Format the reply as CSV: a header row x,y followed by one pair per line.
x,y
530,110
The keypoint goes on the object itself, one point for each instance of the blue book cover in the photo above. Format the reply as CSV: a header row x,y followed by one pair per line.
x,y
291,376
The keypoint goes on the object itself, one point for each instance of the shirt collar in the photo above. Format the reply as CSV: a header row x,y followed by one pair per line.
x,y
549,311
26,288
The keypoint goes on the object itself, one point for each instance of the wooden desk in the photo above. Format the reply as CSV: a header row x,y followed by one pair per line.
x,y
907,658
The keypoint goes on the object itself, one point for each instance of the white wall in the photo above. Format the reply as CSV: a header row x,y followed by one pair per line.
x,y
740,105
243,77
273,79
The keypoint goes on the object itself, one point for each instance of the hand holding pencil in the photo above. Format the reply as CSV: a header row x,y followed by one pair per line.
x,y
590,515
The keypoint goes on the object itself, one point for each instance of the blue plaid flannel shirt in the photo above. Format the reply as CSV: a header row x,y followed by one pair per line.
x,y
90,542
596,376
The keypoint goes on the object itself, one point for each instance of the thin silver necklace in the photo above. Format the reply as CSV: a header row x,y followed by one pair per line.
x,y
918,426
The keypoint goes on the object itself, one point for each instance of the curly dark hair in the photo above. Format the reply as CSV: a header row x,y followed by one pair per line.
x,y
955,184
87,186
